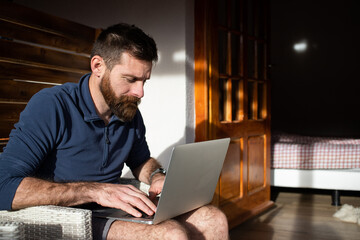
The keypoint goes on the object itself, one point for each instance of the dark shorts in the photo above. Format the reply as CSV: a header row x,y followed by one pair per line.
x,y
100,227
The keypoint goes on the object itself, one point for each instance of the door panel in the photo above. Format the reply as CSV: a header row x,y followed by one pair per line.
x,y
257,164
230,182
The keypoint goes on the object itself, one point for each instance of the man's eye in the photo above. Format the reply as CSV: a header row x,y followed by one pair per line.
x,y
131,80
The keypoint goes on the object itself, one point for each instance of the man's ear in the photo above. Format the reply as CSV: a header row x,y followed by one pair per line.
x,y
97,65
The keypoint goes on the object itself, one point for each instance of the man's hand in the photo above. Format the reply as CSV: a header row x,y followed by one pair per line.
x,y
35,192
143,173
125,197
156,186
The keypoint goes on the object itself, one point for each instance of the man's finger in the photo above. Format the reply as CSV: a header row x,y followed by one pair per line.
x,y
137,199
142,202
131,210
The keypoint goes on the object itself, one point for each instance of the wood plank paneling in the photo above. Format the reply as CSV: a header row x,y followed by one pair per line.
x,y
10,111
19,91
3,142
24,53
37,50
5,128
38,27
9,115
19,32
34,73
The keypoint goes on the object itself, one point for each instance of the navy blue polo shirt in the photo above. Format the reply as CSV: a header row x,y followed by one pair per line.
x,y
60,137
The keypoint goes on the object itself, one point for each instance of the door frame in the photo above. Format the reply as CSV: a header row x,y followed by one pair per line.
x,y
201,81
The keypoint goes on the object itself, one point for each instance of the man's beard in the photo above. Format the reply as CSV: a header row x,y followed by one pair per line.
x,y
124,107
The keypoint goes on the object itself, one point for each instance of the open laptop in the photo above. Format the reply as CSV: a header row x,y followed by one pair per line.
x,y
190,182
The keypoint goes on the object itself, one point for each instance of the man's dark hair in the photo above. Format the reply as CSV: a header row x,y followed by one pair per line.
x,y
120,38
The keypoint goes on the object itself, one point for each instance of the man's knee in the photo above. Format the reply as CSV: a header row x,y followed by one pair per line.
x,y
167,230
213,215
211,222
173,230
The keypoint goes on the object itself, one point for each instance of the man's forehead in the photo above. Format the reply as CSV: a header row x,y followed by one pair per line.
x,y
126,57
133,67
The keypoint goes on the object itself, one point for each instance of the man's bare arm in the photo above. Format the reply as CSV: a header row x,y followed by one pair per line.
x,y
143,172
34,192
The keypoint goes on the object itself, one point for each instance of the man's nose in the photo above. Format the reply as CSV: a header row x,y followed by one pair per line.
x,y
138,89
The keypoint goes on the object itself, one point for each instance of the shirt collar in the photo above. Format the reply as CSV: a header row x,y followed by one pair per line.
x,y
86,103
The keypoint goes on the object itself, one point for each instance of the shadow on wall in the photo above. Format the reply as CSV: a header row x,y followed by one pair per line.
x,y
165,155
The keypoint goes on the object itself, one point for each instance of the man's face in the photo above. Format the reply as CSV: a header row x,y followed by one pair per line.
x,y
123,86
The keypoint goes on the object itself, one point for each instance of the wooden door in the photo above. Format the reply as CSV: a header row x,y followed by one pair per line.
x,y
232,99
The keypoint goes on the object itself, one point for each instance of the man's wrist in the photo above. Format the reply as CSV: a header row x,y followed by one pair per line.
x,y
155,172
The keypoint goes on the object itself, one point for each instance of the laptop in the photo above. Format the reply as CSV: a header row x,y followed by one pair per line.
x,y
190,182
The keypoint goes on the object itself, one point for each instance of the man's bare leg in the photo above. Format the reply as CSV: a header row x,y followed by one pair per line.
x,y
168,230
207,222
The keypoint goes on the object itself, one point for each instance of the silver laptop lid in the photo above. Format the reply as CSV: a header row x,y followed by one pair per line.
x,y
192,176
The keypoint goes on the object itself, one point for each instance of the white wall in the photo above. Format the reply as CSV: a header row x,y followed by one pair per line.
x,y
168,104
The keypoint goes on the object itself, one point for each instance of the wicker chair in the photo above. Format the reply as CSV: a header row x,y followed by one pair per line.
x,y
12,230
46,223
51,222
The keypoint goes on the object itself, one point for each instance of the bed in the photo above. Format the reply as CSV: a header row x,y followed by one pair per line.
x,y
315,162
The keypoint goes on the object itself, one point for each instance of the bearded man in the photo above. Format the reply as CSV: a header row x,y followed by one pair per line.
x,y
72,141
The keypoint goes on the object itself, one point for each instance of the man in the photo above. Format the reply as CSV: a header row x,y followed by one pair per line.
x,y
72,141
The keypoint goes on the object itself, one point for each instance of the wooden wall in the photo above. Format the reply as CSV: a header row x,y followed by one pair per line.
x,y
37,50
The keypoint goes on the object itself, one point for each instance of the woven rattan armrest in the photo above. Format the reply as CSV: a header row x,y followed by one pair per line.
x,y
51,222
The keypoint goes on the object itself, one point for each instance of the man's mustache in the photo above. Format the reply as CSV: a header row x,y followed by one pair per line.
x,y
127,102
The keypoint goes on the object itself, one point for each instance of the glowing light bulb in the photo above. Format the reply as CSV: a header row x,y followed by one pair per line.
x,y
300,47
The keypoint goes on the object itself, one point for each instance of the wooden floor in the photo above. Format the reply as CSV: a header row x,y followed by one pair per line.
x,y
300,214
